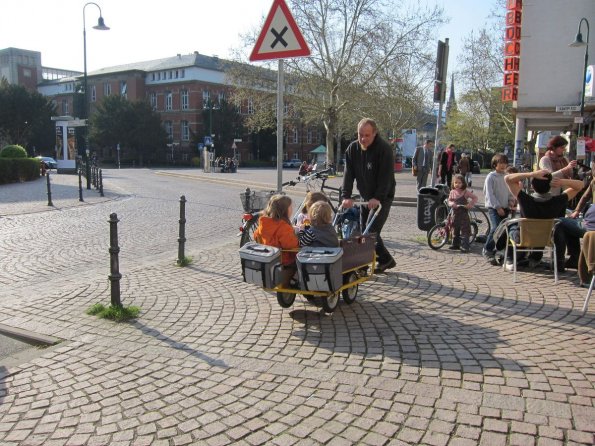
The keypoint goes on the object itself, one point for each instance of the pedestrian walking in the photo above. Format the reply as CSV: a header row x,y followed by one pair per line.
x,y
370,161
422,162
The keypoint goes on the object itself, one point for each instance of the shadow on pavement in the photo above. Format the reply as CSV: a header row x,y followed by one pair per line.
x,y
177,345
398,331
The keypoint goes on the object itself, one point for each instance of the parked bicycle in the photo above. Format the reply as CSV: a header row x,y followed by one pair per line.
x,y
254,202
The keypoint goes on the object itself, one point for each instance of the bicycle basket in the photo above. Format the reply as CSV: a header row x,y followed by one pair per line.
x,y
255,200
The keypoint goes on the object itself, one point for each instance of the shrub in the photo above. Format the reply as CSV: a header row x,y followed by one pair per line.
x,y
13,151
195,161
14,170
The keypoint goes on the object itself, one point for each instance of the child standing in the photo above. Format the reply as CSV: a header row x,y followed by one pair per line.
x,y
274,229
497,197
321,231
461,200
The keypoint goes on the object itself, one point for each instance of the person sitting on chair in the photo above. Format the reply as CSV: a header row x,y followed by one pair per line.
x,y
542,204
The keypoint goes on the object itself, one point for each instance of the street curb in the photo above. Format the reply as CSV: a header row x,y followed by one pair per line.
x,y
28,336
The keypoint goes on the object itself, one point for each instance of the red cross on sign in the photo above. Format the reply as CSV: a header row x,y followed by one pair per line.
x,y
280,37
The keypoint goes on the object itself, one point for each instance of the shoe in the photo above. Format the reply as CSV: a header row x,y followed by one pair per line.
x,y
384,266
489,256
509,266
571,263
454,247
561,269
465,250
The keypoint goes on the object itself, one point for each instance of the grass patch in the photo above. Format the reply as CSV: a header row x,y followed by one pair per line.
x,y
118,314
185,261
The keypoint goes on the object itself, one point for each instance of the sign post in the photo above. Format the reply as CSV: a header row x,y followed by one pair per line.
x,y
280,38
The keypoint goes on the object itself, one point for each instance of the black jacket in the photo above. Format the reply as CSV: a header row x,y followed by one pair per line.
x,y
372,169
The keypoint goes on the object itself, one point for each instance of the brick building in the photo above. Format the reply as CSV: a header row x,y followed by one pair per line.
x,y
185,90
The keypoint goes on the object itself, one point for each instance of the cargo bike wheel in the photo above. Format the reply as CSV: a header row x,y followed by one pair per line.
x,y
330,302
438,236
285,299
349,294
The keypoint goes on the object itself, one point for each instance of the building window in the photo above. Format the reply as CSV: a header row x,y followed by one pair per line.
x,y
64,107
296,135
184,99
309,136
169,129
185,131
124,89
27,72
152,76
206,98
177,74
286,109
250,106
153,101
93,93
221,97
168,100
183,73
107,89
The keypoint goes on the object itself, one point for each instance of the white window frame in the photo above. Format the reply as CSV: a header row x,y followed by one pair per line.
x,y
185,129
169,100
184,99
107,89
93,93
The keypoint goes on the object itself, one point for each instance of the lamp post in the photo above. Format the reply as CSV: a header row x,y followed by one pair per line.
x,y
578,42
100,26
209,105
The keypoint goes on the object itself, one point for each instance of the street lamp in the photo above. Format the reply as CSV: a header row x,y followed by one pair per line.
x,y
578,42
100,26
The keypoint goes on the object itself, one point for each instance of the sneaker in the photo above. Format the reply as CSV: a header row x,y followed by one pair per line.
x,y
384,266
465,250
509,266
489,256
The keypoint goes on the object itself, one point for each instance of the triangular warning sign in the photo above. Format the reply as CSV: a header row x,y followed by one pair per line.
x,y
280,37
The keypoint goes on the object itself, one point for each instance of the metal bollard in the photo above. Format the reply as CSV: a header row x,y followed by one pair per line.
x,y
101,183
114,249
182,232
80,184
88,174
49,190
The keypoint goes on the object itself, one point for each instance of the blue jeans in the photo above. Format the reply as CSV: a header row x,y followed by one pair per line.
x,y
490,246
567,235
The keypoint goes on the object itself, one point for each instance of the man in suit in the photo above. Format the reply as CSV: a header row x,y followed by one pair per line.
x,y
422,162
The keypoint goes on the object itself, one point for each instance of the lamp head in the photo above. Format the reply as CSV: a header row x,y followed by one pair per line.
x,y
101,25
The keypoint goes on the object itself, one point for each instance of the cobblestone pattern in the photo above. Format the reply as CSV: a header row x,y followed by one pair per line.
x,y
445,350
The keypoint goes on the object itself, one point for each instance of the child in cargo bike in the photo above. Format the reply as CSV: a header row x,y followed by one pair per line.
x,y
320,231
274,229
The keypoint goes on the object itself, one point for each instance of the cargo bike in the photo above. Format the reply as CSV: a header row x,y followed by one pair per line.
x,y
323,274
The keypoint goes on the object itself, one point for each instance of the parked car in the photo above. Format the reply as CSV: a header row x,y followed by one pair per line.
x,y
49,161
295,163
476,168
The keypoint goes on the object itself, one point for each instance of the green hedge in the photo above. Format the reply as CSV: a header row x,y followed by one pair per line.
x,y
14,170
13,151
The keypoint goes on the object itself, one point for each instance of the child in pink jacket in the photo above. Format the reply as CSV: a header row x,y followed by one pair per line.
x,y
461,200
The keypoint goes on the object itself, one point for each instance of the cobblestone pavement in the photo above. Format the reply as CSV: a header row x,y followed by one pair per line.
x,y
442,350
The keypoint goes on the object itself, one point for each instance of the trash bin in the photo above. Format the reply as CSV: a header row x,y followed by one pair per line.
x,y
428,199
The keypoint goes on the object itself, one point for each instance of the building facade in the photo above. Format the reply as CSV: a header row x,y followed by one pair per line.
x,y
186,91
550,72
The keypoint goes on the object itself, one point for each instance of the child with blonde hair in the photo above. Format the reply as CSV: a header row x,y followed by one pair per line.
x,y
274,229
321,231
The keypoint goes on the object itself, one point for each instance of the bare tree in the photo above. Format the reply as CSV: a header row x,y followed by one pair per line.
x,y
368,59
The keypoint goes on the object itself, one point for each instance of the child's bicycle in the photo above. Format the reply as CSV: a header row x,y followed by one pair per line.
x,y
254,202
442,233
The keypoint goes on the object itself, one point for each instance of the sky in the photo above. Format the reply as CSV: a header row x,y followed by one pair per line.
x,y
142,30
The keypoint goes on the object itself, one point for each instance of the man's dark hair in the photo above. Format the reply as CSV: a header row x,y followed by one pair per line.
x,y
497,158
429,141
542,186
